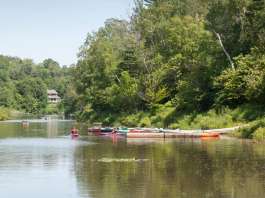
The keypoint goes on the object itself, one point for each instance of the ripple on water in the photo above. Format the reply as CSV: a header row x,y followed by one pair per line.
x,y
42,142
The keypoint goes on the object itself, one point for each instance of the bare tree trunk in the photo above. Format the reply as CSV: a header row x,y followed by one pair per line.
x,y
226,53
117,78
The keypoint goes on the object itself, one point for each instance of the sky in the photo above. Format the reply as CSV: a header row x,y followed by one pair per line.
x,y
40,29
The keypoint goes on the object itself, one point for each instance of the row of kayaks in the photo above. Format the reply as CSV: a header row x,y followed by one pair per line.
x,y
151,133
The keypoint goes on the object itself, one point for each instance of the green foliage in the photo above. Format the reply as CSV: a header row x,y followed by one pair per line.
x,y
209,120
131,120
259,134
249,131
33,94
245,84
123,95
23,84
145,122
4,113
166,66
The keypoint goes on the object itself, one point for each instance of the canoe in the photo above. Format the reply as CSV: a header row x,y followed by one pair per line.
x,y
145,135
111,135
94,130
106,130
100,130
144,130
171,135
123,129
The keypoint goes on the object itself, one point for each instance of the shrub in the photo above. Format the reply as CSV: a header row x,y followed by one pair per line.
x,y
259,134
4,113
130,121
212,120
145,122
248,132
174,126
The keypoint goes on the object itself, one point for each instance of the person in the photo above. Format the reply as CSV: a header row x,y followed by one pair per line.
x,y
74,131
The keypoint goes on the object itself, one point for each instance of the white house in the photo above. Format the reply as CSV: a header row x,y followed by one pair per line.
x,y
53,96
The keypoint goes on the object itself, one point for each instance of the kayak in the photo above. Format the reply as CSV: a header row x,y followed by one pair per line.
x,y
145,135
210,135
100,130
172,135
143,131
94,130
106,130
75,135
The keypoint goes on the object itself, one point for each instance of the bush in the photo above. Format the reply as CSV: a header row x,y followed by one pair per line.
x,y
174,126
259,134
249,131
130,121
145,122
212,120
4,113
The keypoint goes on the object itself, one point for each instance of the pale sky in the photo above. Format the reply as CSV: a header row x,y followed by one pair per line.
x,y
40,29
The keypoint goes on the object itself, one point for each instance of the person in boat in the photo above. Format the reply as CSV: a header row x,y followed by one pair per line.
x,y
114,131
74,131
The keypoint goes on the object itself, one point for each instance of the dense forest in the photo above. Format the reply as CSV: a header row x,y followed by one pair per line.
x,y
175,63
24,84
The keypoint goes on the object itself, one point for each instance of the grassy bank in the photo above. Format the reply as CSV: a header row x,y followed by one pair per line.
x,y
9,113
166,116
5,113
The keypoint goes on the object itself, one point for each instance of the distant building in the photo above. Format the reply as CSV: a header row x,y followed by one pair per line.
x,y
53,96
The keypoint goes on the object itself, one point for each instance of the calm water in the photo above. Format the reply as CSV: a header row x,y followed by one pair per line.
x,y
42,161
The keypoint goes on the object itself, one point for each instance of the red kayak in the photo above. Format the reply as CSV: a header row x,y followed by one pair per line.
x,y
74,133
74,136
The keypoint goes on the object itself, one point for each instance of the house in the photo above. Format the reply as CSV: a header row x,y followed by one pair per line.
x,y
53,96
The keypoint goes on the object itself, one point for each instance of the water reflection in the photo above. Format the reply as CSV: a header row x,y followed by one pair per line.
x,y
43,161
52,129
35,128
226,168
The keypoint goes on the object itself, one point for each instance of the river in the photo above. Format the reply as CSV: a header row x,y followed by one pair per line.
x,y
42,161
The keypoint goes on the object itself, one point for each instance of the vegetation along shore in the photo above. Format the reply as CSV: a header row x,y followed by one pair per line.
x,y
176,64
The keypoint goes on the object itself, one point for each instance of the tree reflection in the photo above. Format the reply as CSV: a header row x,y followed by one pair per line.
x,y
175,169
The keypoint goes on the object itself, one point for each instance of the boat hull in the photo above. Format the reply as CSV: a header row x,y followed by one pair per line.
x,y
172,135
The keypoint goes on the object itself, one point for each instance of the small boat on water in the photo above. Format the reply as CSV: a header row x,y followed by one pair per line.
x,y
94,130
153,132
100,130
172,135
107,131
25,123
74,133
137,130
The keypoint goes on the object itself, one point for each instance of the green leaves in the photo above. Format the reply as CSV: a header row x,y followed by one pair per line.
x,y
246,83
169,53
23,84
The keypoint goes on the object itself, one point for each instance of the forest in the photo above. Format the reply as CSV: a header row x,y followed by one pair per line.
x,y
24,84
174,63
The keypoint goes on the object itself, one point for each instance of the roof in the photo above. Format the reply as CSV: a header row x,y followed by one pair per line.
x,y
54,97
52,91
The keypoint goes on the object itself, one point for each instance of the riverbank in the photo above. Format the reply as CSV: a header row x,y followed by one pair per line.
x,y
166,116
5,113
12,114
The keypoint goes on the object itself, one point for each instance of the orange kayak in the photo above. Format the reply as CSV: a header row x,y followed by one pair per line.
x,y
210,135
